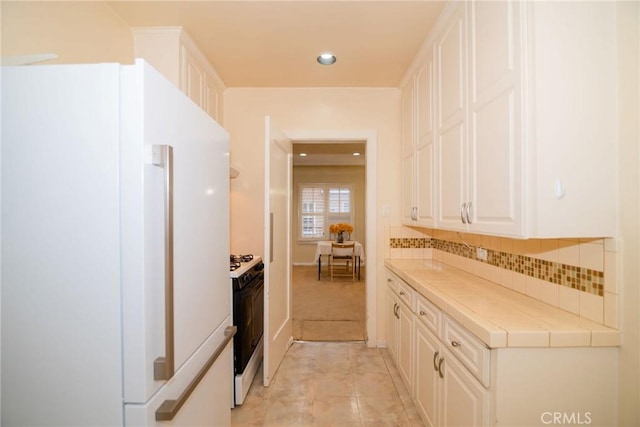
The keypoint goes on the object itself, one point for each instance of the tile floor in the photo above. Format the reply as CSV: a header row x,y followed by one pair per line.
x,y
330,384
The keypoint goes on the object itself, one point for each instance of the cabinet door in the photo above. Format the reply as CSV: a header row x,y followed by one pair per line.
x,y
408,153
464,402
408,182
392,325
452,122
427,350
495,130
405,344
211,99
425,145
193,80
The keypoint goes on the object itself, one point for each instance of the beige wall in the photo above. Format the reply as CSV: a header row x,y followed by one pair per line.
x,y
78,32
629,179
303,253
311,109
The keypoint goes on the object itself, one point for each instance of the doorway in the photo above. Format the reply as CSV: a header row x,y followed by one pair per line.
x,y
340,310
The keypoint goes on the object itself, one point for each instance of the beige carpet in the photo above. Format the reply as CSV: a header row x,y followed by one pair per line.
x,y
325,310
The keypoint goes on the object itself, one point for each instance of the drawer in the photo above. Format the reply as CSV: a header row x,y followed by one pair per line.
x,y
407,294
468,349
393,282
428,314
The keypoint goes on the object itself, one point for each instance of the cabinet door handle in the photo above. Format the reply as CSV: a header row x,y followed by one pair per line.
x,y
462,209
389,280
456,343
435,357
422,313
468,215
440,367
401,293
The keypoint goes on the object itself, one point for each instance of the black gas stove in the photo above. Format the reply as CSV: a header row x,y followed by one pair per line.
x,y
247,279
243,269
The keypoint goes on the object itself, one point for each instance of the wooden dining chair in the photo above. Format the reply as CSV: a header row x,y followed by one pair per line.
x,y
343,252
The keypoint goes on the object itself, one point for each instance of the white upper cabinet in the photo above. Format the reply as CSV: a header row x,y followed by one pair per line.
x,y
524,135
572,119
418,146
453,174
407,105
495,143
172,52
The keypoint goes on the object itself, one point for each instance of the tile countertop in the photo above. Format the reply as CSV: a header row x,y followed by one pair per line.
x,y
498,316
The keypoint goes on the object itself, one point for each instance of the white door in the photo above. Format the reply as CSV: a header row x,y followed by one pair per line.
x,y
495,141
425,145
278,329
426,378
464,402
173,322
405,347
452,122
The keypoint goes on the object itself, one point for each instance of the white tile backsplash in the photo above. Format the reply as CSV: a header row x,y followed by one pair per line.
x,y
550,293
611,268
611,313
569,299
592,307
595,254
592,256
569,252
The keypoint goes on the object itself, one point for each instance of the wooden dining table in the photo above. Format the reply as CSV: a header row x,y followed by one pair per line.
x,y
323,247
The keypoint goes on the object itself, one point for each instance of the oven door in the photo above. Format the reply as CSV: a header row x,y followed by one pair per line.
x,y
248,316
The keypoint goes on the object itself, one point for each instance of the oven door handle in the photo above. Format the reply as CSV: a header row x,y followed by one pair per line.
x,y
163,367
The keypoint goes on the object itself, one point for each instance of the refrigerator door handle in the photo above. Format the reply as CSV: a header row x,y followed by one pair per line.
x,y
169,408
163,367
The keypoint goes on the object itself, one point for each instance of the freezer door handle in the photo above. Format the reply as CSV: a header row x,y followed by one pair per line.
x,y
163,367
169,408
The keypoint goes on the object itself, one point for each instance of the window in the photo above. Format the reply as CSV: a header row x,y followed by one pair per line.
x,y
321,205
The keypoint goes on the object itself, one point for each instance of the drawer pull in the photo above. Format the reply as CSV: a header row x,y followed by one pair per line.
x,y
389,280
456,343
422,313
435,357
440,367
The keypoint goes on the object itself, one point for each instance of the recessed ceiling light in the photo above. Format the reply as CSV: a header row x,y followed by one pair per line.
x,y
356,154
326,58
302,154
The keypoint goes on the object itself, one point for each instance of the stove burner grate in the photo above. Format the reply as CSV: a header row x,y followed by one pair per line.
x,y
241,258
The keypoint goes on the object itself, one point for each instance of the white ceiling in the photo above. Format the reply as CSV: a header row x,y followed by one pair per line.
x,y
275,43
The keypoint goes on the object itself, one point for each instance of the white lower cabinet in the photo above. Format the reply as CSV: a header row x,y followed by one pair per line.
x,y
464,401
456,380
445,393
400,328
427,384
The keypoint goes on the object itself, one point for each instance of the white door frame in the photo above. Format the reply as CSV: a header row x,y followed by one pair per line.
x,y
370,137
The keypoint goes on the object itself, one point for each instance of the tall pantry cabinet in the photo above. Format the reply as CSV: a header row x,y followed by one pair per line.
x,y
524,117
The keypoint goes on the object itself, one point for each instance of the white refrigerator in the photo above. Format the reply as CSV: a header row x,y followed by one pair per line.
x,y
115,238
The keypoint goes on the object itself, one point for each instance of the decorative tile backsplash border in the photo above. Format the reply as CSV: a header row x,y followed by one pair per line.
x,y
581,279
